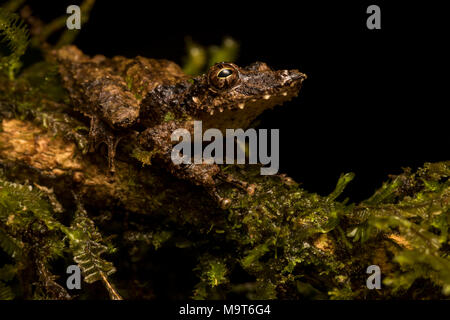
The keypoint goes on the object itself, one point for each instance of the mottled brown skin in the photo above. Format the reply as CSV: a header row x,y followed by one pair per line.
x,y
122,95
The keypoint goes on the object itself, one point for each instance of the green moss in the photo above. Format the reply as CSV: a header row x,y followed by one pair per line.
x,y
169,116
143,156
15,33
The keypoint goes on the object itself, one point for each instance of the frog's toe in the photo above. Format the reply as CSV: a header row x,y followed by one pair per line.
x,y
251,189
225,203
243,185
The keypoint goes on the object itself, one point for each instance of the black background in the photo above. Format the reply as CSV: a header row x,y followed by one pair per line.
x,y
374,100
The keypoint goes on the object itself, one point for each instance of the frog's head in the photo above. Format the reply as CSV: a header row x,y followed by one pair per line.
x,y
228,96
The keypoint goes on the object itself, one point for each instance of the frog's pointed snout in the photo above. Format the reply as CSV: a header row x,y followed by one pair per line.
x,y
298,76
292,76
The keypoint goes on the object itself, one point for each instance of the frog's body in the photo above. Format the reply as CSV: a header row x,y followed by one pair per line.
x,y
119,93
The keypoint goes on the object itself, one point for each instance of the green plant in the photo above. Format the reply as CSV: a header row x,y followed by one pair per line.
x,y
15,34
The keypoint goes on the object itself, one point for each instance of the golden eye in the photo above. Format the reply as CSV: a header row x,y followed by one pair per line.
x,y
223,76
224,73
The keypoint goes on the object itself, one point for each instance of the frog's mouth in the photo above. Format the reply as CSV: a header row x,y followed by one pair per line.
x,y
242,112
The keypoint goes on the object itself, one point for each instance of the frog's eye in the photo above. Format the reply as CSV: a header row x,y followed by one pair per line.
x,y
223,76
225,73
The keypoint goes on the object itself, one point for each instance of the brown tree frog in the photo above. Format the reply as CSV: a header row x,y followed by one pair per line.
x,y
121,95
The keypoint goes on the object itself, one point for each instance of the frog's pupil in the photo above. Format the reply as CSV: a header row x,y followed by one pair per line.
x,y
224,73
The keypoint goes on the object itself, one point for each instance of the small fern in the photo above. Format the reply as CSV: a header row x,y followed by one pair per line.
x,y
15,33
22,204
87,247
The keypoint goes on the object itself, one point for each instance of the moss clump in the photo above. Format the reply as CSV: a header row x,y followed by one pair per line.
x,y
14,32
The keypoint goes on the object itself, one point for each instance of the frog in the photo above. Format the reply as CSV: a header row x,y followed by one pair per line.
x,y
151,98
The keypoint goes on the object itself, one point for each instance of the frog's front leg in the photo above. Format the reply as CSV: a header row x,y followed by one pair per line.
x,y
115,110
100,132
99,92
203,174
